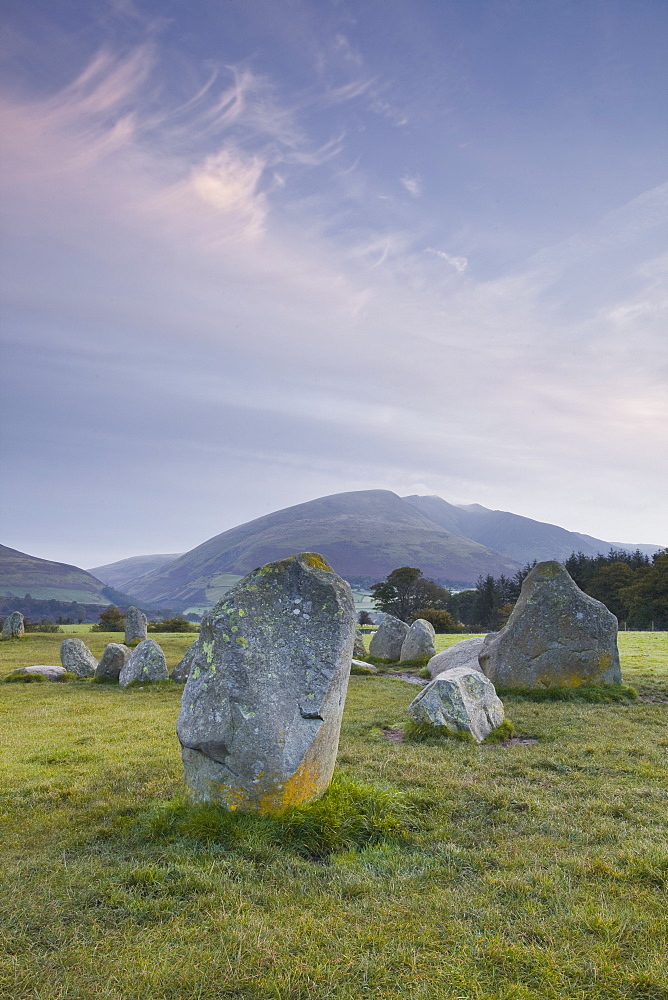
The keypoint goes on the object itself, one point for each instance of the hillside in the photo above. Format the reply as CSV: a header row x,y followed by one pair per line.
x,y
365,533
22,574
126,572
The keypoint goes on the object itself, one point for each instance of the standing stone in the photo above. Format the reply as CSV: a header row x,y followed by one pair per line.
x,y
12,627
261,710
145,664
460,700
386,643
181,671
419,641
113,660
135,626
359,649
556,637
76,657
462,654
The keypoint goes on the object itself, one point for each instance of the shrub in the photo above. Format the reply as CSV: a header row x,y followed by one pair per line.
x,y
442,621
172,625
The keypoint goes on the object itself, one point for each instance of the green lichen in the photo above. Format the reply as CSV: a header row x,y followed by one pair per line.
x,y
242,641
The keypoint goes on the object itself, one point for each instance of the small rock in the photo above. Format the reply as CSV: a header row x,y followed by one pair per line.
x,y
136,624
181,671
113,660
386,643
12,627
419,642
145,664
362,667
462,654
76,657
49,673
359,649
556,636
460,700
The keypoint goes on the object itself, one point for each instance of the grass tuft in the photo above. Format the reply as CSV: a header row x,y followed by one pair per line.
x,y
598,694
502,733
423,732
16,677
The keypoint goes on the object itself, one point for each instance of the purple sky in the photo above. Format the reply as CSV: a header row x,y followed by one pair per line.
x,y
258,252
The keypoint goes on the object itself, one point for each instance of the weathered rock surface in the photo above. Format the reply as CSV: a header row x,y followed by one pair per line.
x,y
556,637
419,641
386,643
462,654
113,660
49,673
461,700
181,671
145,665
362,667
76,657
359,649
12,627
261,712
135,626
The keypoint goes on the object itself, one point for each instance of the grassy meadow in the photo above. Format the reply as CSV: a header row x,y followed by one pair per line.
x,y
442,871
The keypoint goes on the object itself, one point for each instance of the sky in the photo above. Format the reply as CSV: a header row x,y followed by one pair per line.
x,y
254,252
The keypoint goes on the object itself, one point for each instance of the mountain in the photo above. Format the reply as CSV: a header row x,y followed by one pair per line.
x,y
126,572
364,533
520,538
22,574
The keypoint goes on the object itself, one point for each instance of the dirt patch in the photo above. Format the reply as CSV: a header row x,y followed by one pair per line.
x,y
394,735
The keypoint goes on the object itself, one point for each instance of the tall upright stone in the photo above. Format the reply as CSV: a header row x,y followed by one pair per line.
x,y
135,626
181,671
359,649
77,658
557,636
113,660
387,641
419,641
13,627
261,710
145,665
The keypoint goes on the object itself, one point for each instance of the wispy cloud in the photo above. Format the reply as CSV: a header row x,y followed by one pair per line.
x,y
458,263
412,184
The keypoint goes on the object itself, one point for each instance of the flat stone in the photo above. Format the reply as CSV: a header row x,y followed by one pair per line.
x,y
145,665
181,671
13,627
459,700
261,711
136,624
47,671
362,667
419,641
76,657
113,660
387,641
462,654
557,636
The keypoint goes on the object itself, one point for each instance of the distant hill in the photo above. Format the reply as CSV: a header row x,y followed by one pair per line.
x,y
125,572
520,538
22,574
366,533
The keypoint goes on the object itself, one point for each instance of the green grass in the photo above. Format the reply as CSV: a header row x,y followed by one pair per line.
x,y
492,872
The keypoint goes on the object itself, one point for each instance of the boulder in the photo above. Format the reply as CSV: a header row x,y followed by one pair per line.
x,y
556,637
181,671
76,657
359,649
462,654
261,710
362,667
135,626
419,641
387,641
49,673
12,627
462,701
145,665
113,660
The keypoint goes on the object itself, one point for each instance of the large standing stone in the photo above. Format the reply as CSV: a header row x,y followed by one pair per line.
x,y
261,712
76,657
145,664
113,660
386,643
462,654
12,627
359,649
181,671
556,637
135,626
460,700
419,641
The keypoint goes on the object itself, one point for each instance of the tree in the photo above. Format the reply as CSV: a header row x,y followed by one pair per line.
x,y
172,625
405,590
111,620
364,618
442,621
647,598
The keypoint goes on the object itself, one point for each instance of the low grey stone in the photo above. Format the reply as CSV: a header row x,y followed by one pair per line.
x,y
460,700
462,654
76,657
556,636
387,641
12,627
419,641
135,626
181,671
48,672
359,649
362,667
261,711
145,664
113,660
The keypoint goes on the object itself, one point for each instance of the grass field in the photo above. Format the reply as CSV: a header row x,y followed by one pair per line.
x,y
483,873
